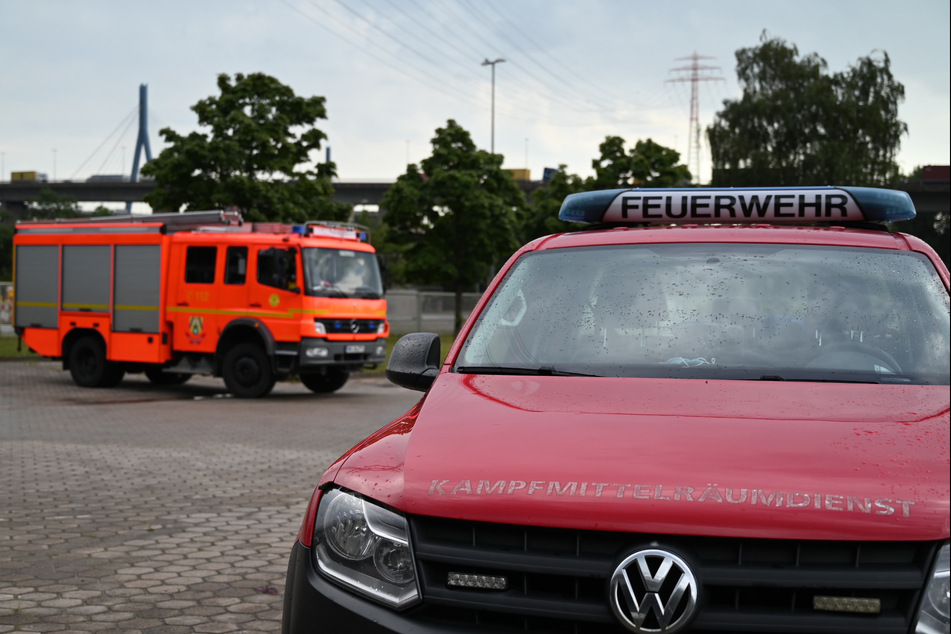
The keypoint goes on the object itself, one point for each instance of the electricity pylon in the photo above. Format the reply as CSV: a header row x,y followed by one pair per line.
x,y
693,135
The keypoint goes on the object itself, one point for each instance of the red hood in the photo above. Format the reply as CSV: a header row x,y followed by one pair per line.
x,y
729,458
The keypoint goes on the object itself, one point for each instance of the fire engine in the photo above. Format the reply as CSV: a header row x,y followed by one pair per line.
x,y
173,295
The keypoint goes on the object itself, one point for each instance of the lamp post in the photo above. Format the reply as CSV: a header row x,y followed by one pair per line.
x,y
492,64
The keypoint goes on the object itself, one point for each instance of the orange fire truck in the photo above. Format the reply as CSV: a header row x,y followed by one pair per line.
x,y
173,295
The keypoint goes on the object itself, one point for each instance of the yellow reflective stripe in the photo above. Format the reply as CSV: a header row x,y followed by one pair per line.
x,y
37,304
288,314
89,306
53,305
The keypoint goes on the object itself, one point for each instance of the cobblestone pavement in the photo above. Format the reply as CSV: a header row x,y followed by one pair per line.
x,y
157,509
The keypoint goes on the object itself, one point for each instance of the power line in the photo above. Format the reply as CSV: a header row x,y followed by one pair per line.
x,y
438,46
421,76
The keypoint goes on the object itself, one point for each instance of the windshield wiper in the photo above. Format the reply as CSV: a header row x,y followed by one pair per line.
x,y
499,369
366,293
329,291
776,377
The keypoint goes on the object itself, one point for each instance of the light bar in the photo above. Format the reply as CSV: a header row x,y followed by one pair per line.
x,y
479,582
775,205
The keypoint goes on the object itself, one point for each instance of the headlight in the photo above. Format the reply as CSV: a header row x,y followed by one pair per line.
x,y
319,327
316,353
366,548
935,613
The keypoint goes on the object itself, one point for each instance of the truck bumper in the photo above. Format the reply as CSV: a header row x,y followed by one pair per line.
x,y
315,352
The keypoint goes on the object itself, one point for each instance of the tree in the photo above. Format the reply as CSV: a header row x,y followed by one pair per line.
x,y
647,164
255,156
930,227
6,245
797,125
456,218
48,204
541,218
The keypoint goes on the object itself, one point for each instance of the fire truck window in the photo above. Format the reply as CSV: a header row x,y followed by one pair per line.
x,y
200,265
236,266
278,268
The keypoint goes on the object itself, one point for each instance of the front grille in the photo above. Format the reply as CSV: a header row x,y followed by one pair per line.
x,y
558,579
350,326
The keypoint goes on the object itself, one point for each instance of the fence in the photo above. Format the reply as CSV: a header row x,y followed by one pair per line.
x,y
6,303
407,310
426,311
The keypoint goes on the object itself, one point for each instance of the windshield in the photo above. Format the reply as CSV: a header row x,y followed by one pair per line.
x,y
341,273
737,311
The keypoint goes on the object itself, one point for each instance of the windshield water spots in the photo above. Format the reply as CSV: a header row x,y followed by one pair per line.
x,y
727,311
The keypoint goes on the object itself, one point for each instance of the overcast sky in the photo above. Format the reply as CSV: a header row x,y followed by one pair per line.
x,y
393,71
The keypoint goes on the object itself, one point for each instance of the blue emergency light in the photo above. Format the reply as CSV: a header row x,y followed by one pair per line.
x,y
741,205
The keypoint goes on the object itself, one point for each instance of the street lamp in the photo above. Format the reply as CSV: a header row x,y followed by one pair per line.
x,y
492,64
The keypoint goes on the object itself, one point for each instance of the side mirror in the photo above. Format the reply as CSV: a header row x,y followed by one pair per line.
x,y
414,361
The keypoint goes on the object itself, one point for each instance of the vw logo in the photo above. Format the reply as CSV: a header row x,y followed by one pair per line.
x,y
653,591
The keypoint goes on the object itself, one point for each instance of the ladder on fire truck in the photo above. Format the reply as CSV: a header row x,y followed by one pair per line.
x,y
171,222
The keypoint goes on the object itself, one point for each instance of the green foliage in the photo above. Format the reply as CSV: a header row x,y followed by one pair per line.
x,y
455,220
48,204
254,157
12,347
6,247
933,229
797,125
541,218
647,164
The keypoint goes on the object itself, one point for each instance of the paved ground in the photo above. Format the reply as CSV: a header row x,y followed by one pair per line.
x,y
145,509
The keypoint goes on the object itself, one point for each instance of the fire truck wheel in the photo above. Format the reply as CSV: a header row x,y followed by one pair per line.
x,y
323,383
89,367
167,378
247,371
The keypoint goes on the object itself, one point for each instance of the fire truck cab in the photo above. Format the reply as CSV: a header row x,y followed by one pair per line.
x,y
173,295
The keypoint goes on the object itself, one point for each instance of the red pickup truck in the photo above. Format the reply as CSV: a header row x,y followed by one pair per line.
x,y
714,410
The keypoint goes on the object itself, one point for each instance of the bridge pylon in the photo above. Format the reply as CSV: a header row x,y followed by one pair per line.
x,y
142,140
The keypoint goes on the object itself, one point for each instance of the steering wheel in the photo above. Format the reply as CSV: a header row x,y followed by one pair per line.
x,y
859,347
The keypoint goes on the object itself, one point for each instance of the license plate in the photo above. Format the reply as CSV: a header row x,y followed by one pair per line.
x,y
355,349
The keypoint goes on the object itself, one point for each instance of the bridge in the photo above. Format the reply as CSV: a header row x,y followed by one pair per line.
x,y
928,196
15,194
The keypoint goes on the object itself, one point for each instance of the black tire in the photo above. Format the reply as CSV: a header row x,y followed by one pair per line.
x,y
247,371
324,383
158,377
89,367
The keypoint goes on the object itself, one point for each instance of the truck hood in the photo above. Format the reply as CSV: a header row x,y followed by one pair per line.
x,y
671,456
